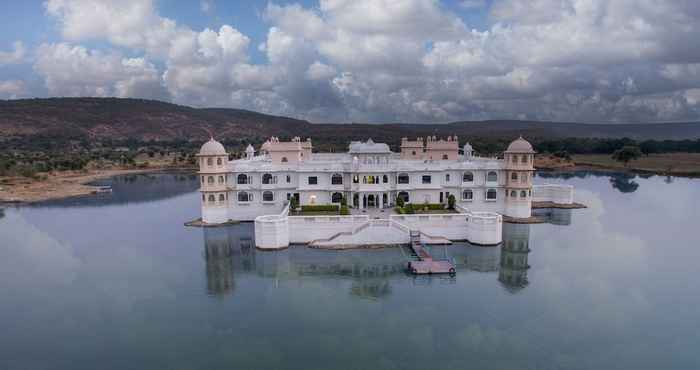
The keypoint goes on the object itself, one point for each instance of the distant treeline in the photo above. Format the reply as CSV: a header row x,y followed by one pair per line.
x,y
608,146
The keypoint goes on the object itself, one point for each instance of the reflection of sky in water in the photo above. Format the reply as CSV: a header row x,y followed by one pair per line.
x,y
127,286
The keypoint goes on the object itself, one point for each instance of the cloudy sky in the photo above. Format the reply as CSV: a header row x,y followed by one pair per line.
x,y
366,60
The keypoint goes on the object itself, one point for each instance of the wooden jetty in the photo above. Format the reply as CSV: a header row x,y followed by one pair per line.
x,y
423,263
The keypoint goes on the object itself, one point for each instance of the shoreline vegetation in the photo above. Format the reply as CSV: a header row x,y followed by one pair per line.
x,y
66,184
662,164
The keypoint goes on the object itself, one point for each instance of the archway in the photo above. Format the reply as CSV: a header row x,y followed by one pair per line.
x,y
371,201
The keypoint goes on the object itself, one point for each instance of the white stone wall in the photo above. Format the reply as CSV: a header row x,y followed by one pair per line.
x,y
304,229
561,194
214,214
450,226
518,208
272,232
485,228
377,232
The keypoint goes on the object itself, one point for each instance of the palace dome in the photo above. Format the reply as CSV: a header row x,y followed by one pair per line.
x,y
212,147
520,145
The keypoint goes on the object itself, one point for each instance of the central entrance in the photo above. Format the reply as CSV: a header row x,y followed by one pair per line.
x,y
371,201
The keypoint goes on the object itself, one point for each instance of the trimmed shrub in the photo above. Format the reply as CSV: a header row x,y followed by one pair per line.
x,y
451,202
320,208
409,209
399,202
344,211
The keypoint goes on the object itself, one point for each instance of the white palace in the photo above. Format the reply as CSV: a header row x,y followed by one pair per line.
x,y
369,176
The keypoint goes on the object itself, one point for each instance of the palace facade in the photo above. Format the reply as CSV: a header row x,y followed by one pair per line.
x,y
368,175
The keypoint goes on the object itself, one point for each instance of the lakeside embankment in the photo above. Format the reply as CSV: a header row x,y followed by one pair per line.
x,y
667,164
64,184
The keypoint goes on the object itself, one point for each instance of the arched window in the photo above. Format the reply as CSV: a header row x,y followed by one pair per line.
x,y
218,161
524,178
413,152
244,197
404,196
336,197
444,156
268,196
468,177
403,178
513,194
267,179
242,179
356,179
514,159
289,179
337,179
202,179
284,160
492,176
212,198
514,176
210,179
385,179
467,195
204,198
364,179
447,177
210,162
221,198
523,194
524,159
221,180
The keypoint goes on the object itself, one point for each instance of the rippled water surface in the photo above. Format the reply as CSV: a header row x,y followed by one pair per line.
x,y
117,282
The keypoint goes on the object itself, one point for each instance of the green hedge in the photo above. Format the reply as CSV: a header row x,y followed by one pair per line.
x,y
431,206
344,211
320,208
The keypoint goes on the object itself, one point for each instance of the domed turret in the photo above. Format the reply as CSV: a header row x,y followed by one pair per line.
x,y
519,160
212,147
520,145
213,171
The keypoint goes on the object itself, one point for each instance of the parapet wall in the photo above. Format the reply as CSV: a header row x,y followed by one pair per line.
x,y
272,231
278,231
560,194
305,229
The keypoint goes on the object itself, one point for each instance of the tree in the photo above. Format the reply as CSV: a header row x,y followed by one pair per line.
x,y
451,201
293,203
399,201
627,153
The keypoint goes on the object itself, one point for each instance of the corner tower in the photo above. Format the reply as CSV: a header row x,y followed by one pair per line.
x,y
519,163
213,170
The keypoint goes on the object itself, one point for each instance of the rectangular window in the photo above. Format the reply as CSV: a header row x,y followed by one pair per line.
x,y
426,179
313,180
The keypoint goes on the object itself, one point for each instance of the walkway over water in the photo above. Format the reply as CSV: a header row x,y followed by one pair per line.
x,y
424,263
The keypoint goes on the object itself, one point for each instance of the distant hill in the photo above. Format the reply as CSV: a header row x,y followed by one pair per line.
x,y
119,119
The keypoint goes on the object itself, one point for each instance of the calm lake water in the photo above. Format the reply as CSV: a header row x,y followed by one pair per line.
x,y
117,282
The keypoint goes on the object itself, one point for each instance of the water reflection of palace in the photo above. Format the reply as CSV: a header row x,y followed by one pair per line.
x,y
514,254
231,250
225,250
